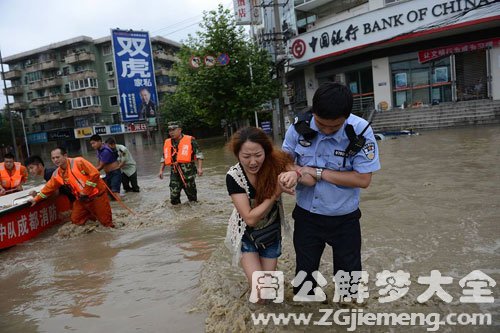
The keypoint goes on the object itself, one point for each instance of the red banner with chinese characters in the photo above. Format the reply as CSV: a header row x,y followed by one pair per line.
x,y
21,225
432,54
136,127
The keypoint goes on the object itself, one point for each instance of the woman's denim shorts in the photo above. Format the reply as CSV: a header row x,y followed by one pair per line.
x,y
272,252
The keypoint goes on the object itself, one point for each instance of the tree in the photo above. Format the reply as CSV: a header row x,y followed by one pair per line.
x,y
232,92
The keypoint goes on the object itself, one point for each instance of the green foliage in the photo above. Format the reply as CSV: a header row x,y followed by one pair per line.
x,y
232,92
180,107
5,132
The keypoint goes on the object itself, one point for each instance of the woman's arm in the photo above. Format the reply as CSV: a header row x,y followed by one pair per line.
x,y
250,215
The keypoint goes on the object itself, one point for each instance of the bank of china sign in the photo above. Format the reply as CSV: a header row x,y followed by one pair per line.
x,y
377,26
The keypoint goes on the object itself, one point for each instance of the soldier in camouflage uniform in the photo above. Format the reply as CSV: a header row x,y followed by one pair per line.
x,y
180,151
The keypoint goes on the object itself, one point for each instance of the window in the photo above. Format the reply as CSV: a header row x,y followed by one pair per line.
x,y
30,95
113,100
106,49
416,84
85,101
108,66
111,84
34,76
79,68
65,70
83,84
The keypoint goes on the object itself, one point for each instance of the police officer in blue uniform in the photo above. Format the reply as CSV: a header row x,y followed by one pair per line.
x,y
335,153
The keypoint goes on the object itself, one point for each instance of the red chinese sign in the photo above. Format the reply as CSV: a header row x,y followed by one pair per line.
x,y
22,225
136,127
432,54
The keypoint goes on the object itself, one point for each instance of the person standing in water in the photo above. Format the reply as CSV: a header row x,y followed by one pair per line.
x,y
254,231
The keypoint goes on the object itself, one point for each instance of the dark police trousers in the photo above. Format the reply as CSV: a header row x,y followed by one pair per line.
x,y
313,231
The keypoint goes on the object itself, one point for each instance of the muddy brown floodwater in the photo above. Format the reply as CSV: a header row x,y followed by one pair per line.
x,y
434,205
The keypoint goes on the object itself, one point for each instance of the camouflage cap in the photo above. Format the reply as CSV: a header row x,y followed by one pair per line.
x,y
174,124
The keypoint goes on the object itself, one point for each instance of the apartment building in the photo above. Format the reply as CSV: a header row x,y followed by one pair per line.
x,y
395,54
68,91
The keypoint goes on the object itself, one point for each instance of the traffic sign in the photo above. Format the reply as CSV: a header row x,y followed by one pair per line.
x,y
195,62
209,61
223,59
266,126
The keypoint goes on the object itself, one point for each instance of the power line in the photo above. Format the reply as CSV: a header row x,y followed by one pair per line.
x,y
180,29
185,20
176,24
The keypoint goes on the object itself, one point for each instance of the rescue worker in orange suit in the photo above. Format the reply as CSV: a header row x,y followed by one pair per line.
x,y
180,152
12,175
85,183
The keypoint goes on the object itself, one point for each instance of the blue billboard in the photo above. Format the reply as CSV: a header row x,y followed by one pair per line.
x,y
135,75
40,137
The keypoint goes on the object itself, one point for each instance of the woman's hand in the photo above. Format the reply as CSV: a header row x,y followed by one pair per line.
x,y
289,179
286,184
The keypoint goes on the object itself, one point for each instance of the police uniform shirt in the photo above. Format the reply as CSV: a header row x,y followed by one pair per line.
x,y
327,152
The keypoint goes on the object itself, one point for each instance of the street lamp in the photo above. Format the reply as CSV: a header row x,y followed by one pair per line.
x,y
24,132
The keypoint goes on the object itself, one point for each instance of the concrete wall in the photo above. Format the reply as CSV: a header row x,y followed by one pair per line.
x,y
382,83
376,4
495,72
311,83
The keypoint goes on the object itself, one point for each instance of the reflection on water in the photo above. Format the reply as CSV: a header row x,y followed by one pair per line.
x,y
434,205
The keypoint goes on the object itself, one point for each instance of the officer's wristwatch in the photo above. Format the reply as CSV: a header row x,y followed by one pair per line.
x,y
319,171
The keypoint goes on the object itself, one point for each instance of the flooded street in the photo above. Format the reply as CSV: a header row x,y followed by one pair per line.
x,y
434,205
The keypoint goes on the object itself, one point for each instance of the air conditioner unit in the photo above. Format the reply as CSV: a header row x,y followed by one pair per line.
x,y
59,73
111,73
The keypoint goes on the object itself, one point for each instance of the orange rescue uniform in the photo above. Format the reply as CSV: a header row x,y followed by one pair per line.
x,y
89,189
10,179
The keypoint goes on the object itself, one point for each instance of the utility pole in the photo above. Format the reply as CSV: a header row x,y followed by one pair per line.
x,y
278,117
16,154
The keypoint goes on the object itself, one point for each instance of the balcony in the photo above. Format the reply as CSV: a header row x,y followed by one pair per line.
x,y
46,83
57,98
18,106
43,66
14,90
88,73
161,55
165,88
12,74
67,113
164,71
38,101
74,58
84,92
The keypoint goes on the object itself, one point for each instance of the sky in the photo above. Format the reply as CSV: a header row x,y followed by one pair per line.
x,y
29,24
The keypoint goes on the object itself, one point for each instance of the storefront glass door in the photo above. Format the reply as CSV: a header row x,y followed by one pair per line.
x,y
361,84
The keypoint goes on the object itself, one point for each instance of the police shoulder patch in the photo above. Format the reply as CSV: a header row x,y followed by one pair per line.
x,y
369,150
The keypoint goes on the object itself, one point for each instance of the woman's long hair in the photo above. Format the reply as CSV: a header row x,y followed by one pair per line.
x,y
275,162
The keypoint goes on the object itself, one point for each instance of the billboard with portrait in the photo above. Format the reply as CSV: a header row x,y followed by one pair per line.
x,y
135,75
